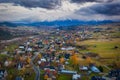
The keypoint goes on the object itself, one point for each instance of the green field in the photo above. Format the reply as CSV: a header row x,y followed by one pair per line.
x,y
64,77
105,48
11,47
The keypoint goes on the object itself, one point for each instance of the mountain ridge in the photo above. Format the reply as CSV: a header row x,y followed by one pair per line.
x,y
56,23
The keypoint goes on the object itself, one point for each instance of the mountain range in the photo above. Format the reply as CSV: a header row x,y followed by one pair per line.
x,y
56,23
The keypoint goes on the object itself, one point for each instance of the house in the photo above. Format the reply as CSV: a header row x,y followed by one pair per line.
x,y
76,77
66,62
83,68
61,67
21,51
68,72
21,47
49,78
43,60
20,66
7,63
67,56
28,43
68,48
97,78
39,62
50,73
51,68
115,73
94,69
3,74
5,52
19,78
40,45
29,49
36,52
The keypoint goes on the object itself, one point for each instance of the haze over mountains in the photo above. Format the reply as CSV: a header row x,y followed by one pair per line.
x,y
56,23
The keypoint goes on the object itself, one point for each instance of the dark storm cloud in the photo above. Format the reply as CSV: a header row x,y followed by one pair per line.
x,y
105,9
108,9
82,1
49,4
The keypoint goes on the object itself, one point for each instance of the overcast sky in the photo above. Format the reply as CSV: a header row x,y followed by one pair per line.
x,y
49,10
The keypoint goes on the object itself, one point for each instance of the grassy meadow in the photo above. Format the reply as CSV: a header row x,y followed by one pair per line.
x,y
105,48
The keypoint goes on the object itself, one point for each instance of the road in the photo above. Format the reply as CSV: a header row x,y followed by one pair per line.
x,y
36,68
106,67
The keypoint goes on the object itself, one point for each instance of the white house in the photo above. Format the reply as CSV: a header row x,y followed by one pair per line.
x,y
83,68
76,77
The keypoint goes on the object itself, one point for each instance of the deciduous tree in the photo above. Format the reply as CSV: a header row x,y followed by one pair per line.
x,y
75,59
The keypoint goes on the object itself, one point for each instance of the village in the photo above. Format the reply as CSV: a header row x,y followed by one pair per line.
x,y
63,55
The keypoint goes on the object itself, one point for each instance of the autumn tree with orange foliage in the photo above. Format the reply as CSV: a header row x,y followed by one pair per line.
x,y
28,60
88,60
39,56
74,59
46,77
62,60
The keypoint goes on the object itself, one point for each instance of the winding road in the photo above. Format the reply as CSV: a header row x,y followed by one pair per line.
x,y
36,68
